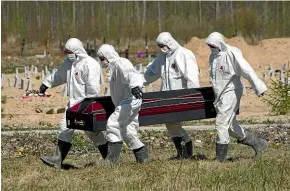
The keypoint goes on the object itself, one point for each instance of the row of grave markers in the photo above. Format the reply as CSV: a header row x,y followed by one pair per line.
x,y
271,73
29,72
138,67
25,81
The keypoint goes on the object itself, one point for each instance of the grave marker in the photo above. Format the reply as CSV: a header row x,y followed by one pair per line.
x,y
9,82
42,75
22,86
29,85
16,81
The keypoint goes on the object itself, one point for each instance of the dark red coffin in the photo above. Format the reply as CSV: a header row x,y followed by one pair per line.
x,y
157,108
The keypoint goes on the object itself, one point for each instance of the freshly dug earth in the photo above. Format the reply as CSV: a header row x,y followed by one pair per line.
x,y
32,111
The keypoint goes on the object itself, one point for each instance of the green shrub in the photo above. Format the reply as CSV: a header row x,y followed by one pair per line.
x,y
3,99
37,77
278,96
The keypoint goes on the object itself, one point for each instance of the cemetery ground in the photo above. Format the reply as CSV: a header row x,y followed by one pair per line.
x,y
22,169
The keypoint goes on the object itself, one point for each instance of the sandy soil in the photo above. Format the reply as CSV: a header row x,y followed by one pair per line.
x,y
17,110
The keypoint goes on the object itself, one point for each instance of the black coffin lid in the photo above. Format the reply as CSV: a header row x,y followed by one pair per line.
x,y
193,104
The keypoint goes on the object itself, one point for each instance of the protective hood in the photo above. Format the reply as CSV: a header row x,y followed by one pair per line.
x,y
216,39
76,46
165,38
109,52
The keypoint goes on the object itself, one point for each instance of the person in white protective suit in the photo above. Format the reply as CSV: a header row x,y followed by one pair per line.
x,y
227,65
178,69
126,93
81,73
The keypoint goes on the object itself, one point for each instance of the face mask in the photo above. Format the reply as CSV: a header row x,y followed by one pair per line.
x,y
72,57
165,50
214,51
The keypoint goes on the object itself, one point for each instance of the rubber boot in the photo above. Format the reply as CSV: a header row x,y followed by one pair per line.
x,y
103,150
188,151
60,154
141,155
221,152
114,151
258,144
179,148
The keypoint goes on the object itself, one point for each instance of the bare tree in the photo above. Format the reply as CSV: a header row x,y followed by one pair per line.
x,y
217,9
200,14
232,13
137,11
284,18
265,16
74,12
144,13
159,16
277,17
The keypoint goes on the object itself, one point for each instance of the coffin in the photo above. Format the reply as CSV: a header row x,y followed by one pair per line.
x,y
157,108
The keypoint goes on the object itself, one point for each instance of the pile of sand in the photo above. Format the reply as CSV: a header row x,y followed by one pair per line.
x,y
271,51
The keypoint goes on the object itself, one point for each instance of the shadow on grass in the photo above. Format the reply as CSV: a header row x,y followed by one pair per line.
x,y
69,167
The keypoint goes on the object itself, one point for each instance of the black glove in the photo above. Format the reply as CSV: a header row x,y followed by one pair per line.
x,y
137,92
261,94
42,88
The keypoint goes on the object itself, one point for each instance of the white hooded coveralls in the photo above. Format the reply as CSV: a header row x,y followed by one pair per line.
x,y
83,80
178,70
123,122
226,69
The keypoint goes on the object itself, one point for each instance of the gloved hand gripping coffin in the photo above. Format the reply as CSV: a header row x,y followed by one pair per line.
x,y
157,108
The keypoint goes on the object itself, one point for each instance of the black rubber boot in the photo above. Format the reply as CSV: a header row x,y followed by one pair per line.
x,y
141,155
258,144
103,150
188,150
60,154
221,152
114,151
179,148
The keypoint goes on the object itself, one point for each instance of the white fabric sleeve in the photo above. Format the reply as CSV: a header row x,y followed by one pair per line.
x,y
92,73
190,71
59,77
129,75
244,69
153,70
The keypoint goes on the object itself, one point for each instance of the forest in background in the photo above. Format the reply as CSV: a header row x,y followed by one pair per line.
x,y
125,21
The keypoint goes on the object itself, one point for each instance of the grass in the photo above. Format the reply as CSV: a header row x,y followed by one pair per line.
x,y
48,126
270,173
22,169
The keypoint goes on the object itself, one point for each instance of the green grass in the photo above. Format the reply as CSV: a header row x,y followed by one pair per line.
x,y
270,173
48,126
22,169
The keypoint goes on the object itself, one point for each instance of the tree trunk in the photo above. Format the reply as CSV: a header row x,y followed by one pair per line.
x,y
200,14
74,13
232,13
265,19
217,9
144,14
277,18
137,11
284,18
159,16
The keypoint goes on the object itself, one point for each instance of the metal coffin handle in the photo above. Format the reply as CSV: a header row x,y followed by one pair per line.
x,y
80,122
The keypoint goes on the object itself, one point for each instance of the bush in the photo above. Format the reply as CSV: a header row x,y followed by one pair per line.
x,y
3,99
278,96
37,77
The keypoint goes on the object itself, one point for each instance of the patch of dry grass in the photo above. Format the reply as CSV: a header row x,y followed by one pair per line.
x,y
272,172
